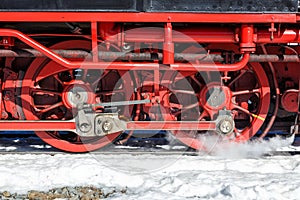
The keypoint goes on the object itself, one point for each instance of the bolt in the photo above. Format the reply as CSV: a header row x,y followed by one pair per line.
x,y
107,126
226,126
77,95
85,127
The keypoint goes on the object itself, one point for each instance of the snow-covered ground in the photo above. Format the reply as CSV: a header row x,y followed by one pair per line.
x,y
179,177
238,172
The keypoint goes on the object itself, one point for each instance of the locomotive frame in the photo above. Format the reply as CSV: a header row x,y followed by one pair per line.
x,y
239,39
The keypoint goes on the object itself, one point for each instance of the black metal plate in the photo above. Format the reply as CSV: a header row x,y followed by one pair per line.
x,y
69,5
221,6
201,6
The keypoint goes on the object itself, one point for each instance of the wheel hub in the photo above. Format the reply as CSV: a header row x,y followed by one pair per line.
x,y
225,125
215,97
76,94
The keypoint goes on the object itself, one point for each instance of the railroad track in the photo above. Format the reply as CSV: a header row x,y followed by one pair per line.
x,y
31,144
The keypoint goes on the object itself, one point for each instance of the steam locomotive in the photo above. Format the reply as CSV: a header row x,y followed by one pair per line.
x,y
81,73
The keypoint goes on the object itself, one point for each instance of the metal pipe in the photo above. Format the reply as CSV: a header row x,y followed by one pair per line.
x,y
209,35
119,56
119,66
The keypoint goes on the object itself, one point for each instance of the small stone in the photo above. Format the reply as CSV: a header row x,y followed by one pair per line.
x,y
84,197
6,194
65,191
57,191
36,195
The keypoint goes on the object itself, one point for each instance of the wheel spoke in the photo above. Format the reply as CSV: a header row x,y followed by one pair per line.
x,y
186,109
51,107
103,75
175,105
58,79
243,92
45,91
84,75
237,78
242,109
184,92
109,93
237,132
72,74
196,81
202,115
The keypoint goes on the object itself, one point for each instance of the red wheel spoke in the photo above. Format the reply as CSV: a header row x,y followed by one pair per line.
x,y
202,115
51,107
95,83
58,79
110,93
184,92
237,77
84,74
208,76
72,74
245,111
237,132
243,92
184,109
45,91
196,81
175,105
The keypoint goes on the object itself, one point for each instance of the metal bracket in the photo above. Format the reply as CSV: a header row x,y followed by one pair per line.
x,y
98,124
225,123
108,123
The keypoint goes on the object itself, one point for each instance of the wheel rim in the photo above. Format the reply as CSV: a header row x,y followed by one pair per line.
x,y
246,95
46,97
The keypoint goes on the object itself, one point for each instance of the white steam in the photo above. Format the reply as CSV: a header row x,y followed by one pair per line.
x,y
250,149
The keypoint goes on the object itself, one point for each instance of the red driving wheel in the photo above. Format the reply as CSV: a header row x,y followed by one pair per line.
x,y
49,96
245,95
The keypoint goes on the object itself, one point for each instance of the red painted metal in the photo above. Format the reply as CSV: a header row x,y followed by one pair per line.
x,y
35,107
45,89
235,100
37,125
55,125
171,125
207,35
85,87
205,91
65,64
247,37
9,99
94,30
146,17
168,47
289,100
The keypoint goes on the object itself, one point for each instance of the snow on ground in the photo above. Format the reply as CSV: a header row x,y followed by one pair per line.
x,y
231,173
